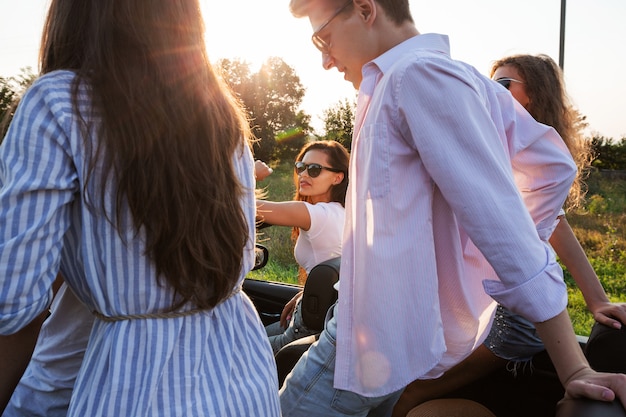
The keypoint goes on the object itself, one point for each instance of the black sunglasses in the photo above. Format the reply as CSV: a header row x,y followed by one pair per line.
x,y
314,169
506,82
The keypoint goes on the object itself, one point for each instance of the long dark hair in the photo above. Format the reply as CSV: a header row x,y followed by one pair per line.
x,y
550,104
167,132
338,158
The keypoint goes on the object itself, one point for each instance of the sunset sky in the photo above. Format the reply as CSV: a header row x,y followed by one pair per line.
x,y
480,32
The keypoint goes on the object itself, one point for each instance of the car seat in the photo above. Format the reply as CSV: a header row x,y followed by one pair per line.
x,y
318,296
580,407
606,349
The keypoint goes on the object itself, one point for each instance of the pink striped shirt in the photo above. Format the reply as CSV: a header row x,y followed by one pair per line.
x,y
430,176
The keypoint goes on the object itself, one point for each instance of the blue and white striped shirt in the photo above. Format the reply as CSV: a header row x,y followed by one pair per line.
x,y
214,363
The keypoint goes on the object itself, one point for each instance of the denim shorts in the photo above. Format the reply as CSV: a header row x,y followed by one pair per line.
x,y
512,337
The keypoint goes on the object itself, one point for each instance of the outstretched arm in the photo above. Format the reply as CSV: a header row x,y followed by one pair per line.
x,y
575,260
573,369
284,213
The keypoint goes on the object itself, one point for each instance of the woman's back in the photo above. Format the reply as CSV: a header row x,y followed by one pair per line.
x,y
127,168
187,365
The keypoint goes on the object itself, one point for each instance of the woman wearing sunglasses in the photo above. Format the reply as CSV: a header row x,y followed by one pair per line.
x,y
316,215
536,82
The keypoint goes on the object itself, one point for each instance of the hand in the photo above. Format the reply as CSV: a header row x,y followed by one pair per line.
x,y
288,310
597,386
261,170
610,314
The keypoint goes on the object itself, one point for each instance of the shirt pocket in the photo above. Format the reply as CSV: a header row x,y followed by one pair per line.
x,y
373,171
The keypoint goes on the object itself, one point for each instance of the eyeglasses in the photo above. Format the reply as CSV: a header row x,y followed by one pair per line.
x,y
317,40
314,169
506,82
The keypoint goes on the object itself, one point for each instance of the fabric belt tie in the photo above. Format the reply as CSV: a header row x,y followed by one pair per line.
x,y
164,315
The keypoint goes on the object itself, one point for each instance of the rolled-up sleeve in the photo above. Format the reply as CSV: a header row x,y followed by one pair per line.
x,y
548,284
467,160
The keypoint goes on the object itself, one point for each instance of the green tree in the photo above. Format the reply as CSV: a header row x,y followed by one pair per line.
x,y
290,141
609,154
7,94
271,97
339,122
11,90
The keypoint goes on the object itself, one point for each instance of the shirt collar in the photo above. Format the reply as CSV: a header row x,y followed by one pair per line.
x,y
431,41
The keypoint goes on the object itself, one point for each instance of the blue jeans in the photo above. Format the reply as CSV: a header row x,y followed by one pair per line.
x,y
308,390
296,329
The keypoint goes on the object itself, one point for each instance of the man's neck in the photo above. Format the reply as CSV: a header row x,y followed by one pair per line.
x,y
394,35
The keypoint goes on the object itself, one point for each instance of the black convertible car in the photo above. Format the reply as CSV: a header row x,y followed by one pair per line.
x,y
534,391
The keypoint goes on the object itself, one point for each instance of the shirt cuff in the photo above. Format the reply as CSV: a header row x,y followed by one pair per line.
x,y
538,299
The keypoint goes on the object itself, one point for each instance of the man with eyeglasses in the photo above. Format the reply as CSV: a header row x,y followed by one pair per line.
x,y
434,219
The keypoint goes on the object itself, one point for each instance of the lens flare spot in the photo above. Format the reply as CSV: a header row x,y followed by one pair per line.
x,y
374,369
289,134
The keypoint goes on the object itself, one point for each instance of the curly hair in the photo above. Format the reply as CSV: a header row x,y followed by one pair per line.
x,y
338,158
550,104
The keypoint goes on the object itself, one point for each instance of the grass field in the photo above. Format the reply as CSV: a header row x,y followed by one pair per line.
x,y
600,225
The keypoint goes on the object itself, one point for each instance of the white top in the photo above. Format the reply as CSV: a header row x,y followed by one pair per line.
x,y
431,159
323,239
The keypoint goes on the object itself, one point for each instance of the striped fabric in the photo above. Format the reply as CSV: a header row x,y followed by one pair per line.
x,y
434,215
214,363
